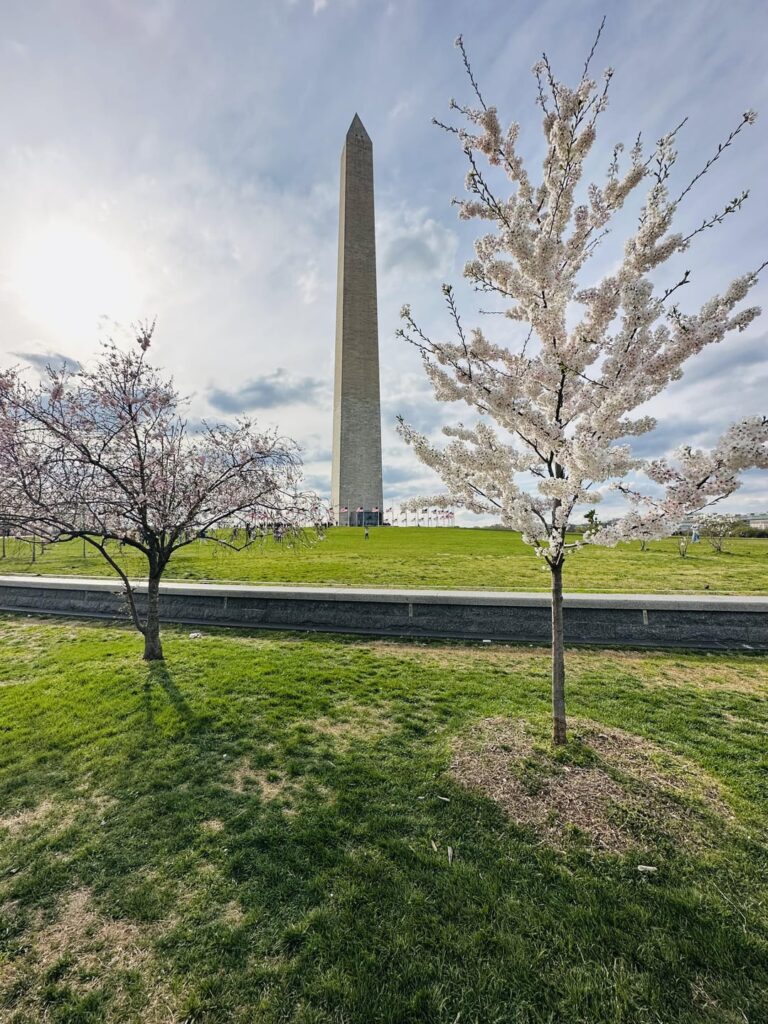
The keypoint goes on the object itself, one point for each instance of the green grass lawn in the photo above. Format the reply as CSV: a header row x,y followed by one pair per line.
x,y
259,830
439,558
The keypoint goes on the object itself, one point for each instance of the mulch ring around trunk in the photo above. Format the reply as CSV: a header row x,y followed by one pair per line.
x,y
611,789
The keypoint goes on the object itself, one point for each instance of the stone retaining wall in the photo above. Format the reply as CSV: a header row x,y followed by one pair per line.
x,y
603,619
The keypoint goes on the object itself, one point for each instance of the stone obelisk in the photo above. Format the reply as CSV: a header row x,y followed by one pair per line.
x,y
356,473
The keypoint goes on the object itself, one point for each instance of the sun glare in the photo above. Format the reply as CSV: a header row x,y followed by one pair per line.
x,y
66,277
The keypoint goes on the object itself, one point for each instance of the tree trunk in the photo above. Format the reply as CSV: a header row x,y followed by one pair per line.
x,y
558,657
153,649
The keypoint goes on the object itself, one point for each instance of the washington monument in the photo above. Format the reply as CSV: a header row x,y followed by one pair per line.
x,y
356,474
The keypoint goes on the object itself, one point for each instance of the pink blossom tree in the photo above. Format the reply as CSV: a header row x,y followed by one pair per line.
x,y
106,455
563,396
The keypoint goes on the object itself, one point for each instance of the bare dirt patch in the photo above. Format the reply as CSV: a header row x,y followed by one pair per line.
x,y
276,789
651,764
271,785
58,815
625,792
92,952
97,941
16,823
365,724
232,913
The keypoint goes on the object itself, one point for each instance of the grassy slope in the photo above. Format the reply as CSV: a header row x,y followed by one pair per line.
x,y
442,558
341,910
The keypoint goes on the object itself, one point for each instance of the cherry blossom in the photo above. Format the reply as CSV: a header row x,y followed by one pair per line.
x,y
560,405
105,454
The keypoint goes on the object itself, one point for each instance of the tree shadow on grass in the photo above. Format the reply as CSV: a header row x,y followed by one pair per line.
x,y
345,905
349,907
353,907
159,676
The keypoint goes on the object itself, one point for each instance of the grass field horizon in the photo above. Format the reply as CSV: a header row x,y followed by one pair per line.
x,y
433,558
285,828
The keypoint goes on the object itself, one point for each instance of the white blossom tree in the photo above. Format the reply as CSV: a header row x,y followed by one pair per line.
x,y
716,528
563,396
106,455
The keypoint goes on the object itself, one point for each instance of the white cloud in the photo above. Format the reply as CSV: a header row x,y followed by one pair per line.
x,y
309,282
151,17
205,152
413,244
403,106
16,47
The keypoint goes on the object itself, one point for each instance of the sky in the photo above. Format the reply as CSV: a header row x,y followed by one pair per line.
x,y
180,159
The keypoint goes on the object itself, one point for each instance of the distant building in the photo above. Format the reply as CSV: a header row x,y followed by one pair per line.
x,y
688,525
757,520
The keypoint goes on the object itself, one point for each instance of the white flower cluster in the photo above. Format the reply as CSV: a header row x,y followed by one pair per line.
x,y
565,402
